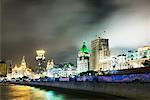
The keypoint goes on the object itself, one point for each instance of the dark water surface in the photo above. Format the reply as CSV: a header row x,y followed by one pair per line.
x,y
19,92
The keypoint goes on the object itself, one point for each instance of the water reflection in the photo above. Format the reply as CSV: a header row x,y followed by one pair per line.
x,y
16,92
52,96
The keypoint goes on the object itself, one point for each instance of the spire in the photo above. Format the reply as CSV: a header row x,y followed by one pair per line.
x,y
84,48
23,62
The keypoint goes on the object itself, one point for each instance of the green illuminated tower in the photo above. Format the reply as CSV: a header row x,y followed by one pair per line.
x,y
83,59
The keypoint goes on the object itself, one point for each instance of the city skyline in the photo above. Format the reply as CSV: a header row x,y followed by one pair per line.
x,y
74,49
50,25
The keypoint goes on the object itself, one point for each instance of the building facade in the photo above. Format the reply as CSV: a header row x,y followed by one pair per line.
x,y
119,62
21,71
138,57
83,59
40,59
50,66
99,51
3,69
9,66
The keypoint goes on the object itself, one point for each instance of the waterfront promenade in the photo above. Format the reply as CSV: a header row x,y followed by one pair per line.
x,y
138,91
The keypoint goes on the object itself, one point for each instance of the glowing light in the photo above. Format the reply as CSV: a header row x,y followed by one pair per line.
x,y
40,52
40,55
84,48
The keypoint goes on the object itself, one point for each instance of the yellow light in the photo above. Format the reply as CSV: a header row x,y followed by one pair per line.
x,y
40,51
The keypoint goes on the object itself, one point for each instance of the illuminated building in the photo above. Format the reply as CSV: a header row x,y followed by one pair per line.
x,y
122,62
114,63
3,69
50,65
106,63
144,52
23,63
22,70
55,72
144,55
69,72
16,72
137,58
9,66
83,59
119,62
132,57
99,51
40,58
64,70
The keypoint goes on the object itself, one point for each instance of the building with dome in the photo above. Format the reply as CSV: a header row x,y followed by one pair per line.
x,y
83,59
22,70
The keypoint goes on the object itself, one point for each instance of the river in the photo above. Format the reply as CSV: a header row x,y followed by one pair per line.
x,y
20,92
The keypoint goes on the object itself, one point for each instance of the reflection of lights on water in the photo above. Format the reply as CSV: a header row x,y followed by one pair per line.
x,y
51,93
19,92
46,95
19,87
31,93
60,97
51,96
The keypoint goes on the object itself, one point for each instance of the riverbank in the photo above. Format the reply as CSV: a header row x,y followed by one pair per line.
x,y
138,91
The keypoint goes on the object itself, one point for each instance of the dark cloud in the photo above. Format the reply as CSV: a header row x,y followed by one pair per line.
x,y
58,26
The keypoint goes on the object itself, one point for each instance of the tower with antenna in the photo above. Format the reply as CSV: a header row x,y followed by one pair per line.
x,y
40,59
99,50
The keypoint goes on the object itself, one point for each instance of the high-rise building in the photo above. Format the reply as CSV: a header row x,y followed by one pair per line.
x,y
83,59
3,69
99,51
40,58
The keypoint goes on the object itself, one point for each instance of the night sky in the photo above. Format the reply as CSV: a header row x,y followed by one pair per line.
x,y
60,27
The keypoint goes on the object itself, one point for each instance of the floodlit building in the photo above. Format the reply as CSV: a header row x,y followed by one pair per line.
x,y
137,58
50,66
40,58
22,70
9,66
114,63
83,59
105,64
69,72
3,69
99,51
122,62
133,59
144,53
